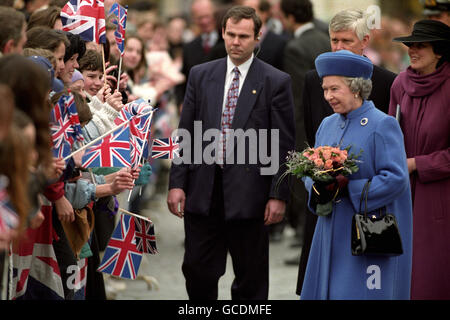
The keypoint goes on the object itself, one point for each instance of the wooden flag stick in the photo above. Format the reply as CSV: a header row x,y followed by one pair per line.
x,y
104,64
104,135
118,74
135,215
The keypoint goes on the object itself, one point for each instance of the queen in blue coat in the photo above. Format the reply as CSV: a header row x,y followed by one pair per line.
x,y
332,271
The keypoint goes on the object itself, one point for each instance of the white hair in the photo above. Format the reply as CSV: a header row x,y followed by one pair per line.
x,y
352,19
361,86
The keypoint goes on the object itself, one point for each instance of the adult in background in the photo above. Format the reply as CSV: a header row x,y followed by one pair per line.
x,y
236,92
422,91
349,31
332,271
271,45
207,46
299,55
48,17
13,35
438,10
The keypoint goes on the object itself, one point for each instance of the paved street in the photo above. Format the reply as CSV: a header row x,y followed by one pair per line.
x,y
165,266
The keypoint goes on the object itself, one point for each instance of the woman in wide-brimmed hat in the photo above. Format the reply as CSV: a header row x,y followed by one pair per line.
x,y
423,95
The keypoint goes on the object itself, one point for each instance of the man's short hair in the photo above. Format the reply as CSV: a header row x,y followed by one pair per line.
x,y
352,19
302,10
91,61
11,25
238,13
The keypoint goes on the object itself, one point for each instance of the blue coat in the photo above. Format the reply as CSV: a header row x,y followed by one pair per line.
x,y
332,271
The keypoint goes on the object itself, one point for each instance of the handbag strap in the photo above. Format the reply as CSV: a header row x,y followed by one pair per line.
x,y
364,195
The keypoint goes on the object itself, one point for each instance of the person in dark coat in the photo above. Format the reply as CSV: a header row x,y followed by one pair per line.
x,y
343,35
299,55
271,45
227,205
207,46
422,92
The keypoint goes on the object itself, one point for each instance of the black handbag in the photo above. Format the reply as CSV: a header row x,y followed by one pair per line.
x,y
376,232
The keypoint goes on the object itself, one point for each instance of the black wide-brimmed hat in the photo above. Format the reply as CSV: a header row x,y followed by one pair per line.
x,y
427,31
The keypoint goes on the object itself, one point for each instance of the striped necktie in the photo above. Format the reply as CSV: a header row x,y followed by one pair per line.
x,y
230,106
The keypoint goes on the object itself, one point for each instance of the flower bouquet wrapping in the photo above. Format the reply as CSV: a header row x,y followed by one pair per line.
x,y
322,164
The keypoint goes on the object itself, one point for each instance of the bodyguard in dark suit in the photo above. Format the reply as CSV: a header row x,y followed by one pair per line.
x,y
349,30
227,206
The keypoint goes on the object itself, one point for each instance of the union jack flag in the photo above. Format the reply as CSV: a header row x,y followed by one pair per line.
x,y
166,148
65,126
8,217
36,274
139,127
145,236
111,151
122,258
121,22
86,18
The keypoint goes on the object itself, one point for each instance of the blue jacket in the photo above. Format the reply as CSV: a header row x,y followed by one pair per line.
x,y
332,271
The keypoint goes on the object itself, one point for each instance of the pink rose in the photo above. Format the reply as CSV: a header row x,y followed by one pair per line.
x,y
337,159
326,154
328,164
318,162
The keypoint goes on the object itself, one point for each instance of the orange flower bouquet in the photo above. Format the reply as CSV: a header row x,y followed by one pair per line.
x,y
322,163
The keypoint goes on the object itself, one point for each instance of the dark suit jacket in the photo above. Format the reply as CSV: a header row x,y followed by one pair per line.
x,y
316,107
271,49
193,54
299,56
265,102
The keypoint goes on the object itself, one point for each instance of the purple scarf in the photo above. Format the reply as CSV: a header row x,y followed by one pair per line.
x,y
417,85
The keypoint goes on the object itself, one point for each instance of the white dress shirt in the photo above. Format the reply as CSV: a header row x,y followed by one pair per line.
x,y
243,69
298,32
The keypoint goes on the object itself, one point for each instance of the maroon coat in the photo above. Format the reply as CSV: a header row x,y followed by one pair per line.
x,y
425,122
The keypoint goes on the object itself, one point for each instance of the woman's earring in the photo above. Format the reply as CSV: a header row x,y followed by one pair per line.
x,y
356,96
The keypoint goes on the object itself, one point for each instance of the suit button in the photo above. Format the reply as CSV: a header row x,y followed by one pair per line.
x,y
247,169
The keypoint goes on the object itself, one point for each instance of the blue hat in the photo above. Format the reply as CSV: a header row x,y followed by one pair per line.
x,y
343,63
44,63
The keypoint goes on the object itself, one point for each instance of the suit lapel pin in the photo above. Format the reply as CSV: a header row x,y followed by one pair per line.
x,y
254,91
364,121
